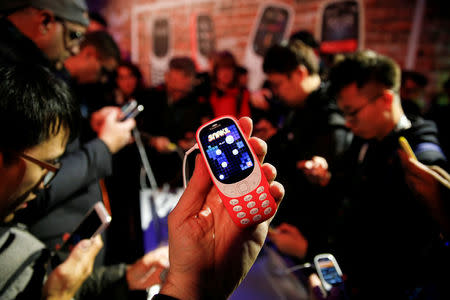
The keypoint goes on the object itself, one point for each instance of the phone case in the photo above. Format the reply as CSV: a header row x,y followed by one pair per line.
x,y
247,200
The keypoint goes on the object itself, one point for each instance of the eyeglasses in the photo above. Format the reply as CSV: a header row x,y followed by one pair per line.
x,y
52,169
72,37
354,114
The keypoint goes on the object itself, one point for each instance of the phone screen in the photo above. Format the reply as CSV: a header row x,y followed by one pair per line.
x,y
85,230
329,272
227,151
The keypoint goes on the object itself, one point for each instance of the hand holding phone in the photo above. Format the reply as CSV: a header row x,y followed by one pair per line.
x,y
406,147
235,171
95,222
131,109
328,270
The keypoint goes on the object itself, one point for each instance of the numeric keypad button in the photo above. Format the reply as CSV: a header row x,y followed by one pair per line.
x,y
245,221
248,198
267,210
234,201
257,218
241,214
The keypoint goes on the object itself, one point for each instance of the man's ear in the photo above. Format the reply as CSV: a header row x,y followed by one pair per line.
x,y
388,98
46,18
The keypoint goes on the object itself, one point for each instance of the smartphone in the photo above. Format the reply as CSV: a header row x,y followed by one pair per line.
x,y
406,147
131,110
235,171
95,222
129,106
328,270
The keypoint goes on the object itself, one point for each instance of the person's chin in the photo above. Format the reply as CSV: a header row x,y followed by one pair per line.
x,y
22,201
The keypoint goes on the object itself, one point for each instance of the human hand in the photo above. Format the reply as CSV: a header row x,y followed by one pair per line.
x,y
209,255
424,181
315,170
264,130
428,184
289,240
114,133
162,144
64,281
146,271
187,142
258,99
318,293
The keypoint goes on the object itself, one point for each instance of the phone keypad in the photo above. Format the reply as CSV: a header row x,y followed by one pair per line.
x,y
253,207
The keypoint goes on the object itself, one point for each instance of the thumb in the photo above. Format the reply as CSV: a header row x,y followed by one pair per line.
x,y
193,198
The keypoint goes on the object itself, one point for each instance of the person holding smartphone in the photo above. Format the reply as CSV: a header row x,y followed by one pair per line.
x,y
37,123
209,255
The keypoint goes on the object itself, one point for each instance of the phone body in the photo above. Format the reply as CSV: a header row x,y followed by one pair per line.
x,y
406,147
129,106
329,272
235,171
95,222
131,109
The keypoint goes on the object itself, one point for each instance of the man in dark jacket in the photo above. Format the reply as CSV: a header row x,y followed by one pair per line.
x,y
313,127
46,33
387,240
37,117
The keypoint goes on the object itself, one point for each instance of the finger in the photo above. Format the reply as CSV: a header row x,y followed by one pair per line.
x,y
277,191
270,172
285,227
259,147
441,172
84,252
316,286
193,198
128,124
246,125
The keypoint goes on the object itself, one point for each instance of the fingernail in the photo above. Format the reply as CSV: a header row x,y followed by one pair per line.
x,y
86,244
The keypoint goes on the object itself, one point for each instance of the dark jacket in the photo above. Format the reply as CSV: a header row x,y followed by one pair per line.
x,y
386,241
75,189
315,129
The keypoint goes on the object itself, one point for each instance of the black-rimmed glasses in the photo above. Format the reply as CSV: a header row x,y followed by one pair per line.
x,y
72,37
52,169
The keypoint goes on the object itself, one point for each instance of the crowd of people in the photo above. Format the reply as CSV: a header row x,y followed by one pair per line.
x,y
329,131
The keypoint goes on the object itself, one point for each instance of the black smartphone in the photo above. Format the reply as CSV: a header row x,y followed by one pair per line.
x,y
131,110
95,222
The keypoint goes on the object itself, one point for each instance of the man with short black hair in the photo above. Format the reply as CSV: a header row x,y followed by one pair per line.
x,y
46,33
382,222
37,117
175,112
313,128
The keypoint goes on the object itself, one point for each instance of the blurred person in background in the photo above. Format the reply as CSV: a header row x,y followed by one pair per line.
x,y
227,96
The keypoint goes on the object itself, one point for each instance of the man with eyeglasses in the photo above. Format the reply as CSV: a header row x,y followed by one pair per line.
x,y
37,117
313,127
388,241
46,33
